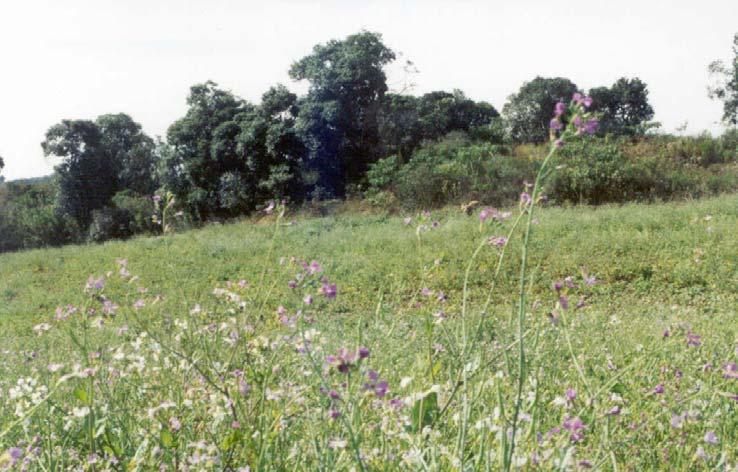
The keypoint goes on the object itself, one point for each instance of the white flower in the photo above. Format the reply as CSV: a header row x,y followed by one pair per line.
x,y
81,412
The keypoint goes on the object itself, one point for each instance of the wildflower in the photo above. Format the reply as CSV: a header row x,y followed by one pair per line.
x,y
138,304
559,143
337,443
711,437
243,388
693,339
109,308
560,109
614,411
363,352
329,290
678,420
292,284
308,299
587,102
435,224
95,284
730,371
174,424
315,268
701,453
658,389
498,241
441,297
426,292
555,124
407,220
576,427
485,213
525,198
571,395
564,302
334,395
335,414
577,97
590,127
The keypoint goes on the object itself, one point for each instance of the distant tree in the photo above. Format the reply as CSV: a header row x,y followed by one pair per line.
x,y
405,120
338,119
190,167
529,111
99,159
131,150
2,165
87,177
623,108
726,87
226,155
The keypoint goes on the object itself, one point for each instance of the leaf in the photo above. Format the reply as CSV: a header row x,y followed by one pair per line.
x,y
232,439
618,388
81,395
166,438
424,412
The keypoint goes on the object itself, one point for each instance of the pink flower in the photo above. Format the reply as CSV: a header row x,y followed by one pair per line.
x,y
329,290
730,370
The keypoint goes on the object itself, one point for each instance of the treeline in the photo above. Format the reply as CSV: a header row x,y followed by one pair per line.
x,y
349,135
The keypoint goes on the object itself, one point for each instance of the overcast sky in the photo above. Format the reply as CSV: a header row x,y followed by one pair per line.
x,y
79,59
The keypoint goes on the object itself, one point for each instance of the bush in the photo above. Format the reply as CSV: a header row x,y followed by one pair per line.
x,y
139,209
455,170
109,223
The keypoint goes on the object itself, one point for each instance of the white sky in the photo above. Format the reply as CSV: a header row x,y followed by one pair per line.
x,y
82,58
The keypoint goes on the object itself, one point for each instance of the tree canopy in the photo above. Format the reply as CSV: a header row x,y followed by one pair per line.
x,y
529,111
623,108
726,88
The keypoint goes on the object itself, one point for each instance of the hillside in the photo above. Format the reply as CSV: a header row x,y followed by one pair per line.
x,y
662,268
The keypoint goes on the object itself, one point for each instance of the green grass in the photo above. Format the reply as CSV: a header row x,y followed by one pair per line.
x,y
659,267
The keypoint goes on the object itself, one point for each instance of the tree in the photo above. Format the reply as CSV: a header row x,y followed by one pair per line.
x,y
99,159
529,111
131,150
726,87
338,119
226,155
623,109
86,176
2,165
190,168
405,120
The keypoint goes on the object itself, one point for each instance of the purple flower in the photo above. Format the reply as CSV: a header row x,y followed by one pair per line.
x,y
614,411
730,370
498,241
587,102
711,437
571,395
559,143
308,299
693,339
555,124
314,268
334,395
577,97
576,427
329,290
560,109
15,453
485,213
590,127
658,389
564,302
243,388
677,420
525,198
292,284
426,292
335,414
95,284
363,352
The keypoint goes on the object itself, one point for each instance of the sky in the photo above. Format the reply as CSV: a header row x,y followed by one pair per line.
x,y
77,59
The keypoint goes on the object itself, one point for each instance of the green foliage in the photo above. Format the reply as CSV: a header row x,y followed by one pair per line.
x,y
623,109
726,87
455,170
338,119
529,111
110,223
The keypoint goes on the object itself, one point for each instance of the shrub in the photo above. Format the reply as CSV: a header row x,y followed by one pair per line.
x,y
109,223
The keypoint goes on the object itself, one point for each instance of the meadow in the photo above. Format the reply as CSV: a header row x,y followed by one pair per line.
x,y
349,342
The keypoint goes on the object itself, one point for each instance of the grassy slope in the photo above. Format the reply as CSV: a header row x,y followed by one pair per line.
x,y
668,265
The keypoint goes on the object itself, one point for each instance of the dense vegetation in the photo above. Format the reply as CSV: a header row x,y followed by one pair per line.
x,y
642,377
349,136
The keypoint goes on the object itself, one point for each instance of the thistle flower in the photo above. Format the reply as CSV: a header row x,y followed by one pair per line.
x,y
711,437
559,109
730,370
328,290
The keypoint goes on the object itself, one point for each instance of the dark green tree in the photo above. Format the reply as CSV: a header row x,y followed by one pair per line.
x,y
623,109
87,177
201,148
726,87
338,120
131,150
529,111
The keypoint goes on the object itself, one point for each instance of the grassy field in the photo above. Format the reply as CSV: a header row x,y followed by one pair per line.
x,y
219,349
